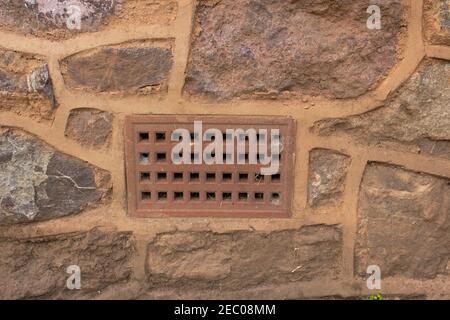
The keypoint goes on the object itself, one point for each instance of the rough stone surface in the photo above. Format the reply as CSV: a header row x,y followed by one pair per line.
x,y
327,172
39,183
244,259
25,85
317,47
403,223
90,127
132,69
416,118
57,210
35,268
56,18
437,21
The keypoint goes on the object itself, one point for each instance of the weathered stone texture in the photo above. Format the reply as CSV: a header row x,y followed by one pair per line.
x,y
145,12
59,18
36,267
403,223
244,259
248,48
131,69
326,181
90,127
39,183
437,21
416,118
25,85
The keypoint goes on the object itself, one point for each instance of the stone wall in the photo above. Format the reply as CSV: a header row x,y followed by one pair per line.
x,y
372,166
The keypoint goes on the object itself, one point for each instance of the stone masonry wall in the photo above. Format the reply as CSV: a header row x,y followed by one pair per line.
x,y
372,165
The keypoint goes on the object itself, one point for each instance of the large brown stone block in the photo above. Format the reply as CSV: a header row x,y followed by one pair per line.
x,y
319,48
244,259
35,268
416,118
61,19
403,223
135,69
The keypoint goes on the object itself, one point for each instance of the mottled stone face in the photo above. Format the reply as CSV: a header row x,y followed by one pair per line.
x,y
90,127
56,9
243,259
133,69
57,19
445,15
57,13
26,85
37,266
437,21
326,181
403,222
315,48
38,183
416,118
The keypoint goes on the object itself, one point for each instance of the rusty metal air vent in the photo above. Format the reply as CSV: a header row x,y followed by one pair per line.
x,y
159,185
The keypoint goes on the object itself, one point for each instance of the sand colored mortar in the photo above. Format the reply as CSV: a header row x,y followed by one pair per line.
x,y
304,111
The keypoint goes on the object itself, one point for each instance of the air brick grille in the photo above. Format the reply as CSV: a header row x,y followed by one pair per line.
x,y
158,187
